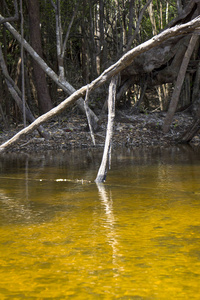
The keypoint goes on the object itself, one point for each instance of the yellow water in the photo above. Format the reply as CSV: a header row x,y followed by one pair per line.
x,y
135,237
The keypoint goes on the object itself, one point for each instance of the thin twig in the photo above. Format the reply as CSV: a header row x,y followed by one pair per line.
x,y
88,115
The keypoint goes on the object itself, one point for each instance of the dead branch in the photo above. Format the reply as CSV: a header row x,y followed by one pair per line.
x,y
113,70
62,83
179,83
17,96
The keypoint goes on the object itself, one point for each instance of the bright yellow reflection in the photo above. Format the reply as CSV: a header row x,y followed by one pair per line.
x,y
137,240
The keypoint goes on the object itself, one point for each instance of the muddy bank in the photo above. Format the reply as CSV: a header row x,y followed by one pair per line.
x,y
71,132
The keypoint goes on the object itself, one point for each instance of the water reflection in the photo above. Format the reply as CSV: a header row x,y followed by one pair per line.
x,y
135,237
107,202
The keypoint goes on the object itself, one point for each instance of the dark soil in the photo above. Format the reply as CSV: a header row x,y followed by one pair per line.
x,y
71,131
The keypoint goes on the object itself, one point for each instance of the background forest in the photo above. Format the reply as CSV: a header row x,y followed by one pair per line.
x,y
78,40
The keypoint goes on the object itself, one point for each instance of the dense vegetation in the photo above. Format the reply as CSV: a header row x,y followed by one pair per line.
x,y
93,35
78,40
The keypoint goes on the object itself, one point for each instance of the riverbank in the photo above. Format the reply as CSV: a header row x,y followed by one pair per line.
x,y
71,132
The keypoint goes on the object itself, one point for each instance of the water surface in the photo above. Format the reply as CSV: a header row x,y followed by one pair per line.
x,y
135,237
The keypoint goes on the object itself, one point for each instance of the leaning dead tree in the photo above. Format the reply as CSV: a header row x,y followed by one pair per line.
x,y
61,82
17,96
169,62
179,83
125,61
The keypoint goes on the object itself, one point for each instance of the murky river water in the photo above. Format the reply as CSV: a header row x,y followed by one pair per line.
x,y
135,237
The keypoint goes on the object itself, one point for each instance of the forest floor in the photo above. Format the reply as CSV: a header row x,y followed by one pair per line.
x,y
71,131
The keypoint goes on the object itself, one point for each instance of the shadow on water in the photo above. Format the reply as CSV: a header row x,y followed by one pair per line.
x,y
32,186
135,237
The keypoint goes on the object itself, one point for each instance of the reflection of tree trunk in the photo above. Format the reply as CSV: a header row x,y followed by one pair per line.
x,y
179,83
110,220
44,100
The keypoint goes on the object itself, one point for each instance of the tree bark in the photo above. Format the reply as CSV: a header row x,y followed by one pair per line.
x,y
113,70
16,94
106,159
22,64
65,85
152,18
179,83
132,37
191,132
44,99
196,92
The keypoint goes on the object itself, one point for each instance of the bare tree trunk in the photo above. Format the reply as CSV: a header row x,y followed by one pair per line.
x,y
196,92
131,38
191,132
88,116
59,40
102,37
143,86
113,70
65,85
3,115
131,19
106,159
179,6
152,18
16,94
44,99
179,83
22,64
167,13
61,45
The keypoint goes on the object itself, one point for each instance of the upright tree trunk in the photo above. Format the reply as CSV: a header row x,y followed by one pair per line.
x,y
22,64
106,159
152,18
66,86
112,71
44,99
102,37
